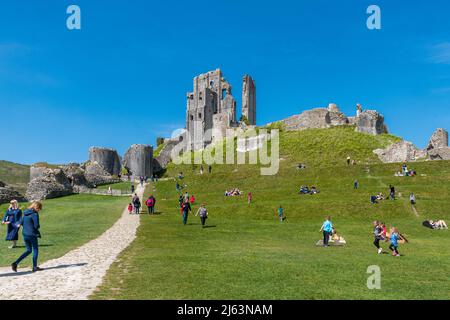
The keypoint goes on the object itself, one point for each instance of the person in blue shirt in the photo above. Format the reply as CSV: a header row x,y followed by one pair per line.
x,y
394,242
327,229
12,219
280,213
30,223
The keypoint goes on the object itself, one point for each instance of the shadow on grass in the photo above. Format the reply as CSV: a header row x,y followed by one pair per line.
x,y
41,245
23,273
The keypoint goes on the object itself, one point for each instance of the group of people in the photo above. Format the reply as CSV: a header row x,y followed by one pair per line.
x,y
186,202
202,170
405,172
350,161
380,234
233,192
135,205
28,220
307,190
330,234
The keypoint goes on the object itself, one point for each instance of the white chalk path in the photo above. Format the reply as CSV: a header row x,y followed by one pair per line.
x,y
78,273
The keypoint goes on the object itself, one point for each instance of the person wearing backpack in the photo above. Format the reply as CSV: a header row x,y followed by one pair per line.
x,y
203,213
150,203
136,204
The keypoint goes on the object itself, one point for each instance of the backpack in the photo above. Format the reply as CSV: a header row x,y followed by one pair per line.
x,y
149,202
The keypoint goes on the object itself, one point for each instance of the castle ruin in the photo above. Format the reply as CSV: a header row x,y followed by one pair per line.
x,y
211,108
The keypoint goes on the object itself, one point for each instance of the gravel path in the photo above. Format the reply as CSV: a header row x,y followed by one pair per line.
x,y
75,275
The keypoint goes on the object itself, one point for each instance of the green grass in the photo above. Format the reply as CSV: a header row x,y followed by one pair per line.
x,y
248,254
15,175
67,223
122,186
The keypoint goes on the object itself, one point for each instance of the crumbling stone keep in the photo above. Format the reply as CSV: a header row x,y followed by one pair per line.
x,y
211,108
138,160
107,158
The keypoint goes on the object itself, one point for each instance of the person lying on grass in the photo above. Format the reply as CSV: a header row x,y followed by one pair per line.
x,y
307,190
439,224
233,192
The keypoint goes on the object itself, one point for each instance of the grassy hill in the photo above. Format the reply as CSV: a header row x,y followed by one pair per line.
x,y
246,253
15,175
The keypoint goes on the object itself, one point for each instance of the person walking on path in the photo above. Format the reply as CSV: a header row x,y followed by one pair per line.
x,y
30,223
185,210
378,234
249,197
12,219
203,213
130,208
136,203
150,203
327,228
132,188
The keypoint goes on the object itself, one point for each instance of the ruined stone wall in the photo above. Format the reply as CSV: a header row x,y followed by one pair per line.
x,y
439,139
107,158
372,122
249,99
139,160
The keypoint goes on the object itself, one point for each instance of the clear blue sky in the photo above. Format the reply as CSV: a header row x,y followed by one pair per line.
x,y
123,78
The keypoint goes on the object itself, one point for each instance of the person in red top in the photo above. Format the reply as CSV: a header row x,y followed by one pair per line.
x,y
249,197
130,208
192,200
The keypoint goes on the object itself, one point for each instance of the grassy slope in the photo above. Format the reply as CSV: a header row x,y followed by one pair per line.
x,y
67,223
15,175
122,186
248,254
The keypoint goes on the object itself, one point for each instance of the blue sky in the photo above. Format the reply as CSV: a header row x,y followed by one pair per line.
x,y
123,78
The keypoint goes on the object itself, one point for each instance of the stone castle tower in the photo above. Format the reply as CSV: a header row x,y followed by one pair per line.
x,y
211,108
249,99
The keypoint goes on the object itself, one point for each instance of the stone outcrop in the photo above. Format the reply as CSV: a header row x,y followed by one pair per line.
x,y
439,154
108,158
7,194
318,118
36,172
372,122
161,161
138,160
76,175
439,139
52,183
437,148
95,174
368,121
402,151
